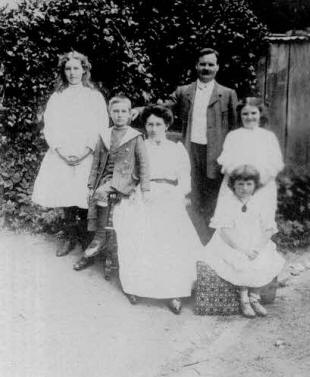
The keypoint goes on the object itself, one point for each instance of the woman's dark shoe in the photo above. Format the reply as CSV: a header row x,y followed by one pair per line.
x,y
83,263
175,305
65,247
132,299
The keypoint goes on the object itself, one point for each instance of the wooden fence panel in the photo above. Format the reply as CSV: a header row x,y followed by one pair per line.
x,y
276,90
261,75
298,130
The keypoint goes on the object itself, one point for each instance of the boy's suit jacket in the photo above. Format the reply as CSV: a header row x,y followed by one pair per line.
x,y
221,118
131,167
131,164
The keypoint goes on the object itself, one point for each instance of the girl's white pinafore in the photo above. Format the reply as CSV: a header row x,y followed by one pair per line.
x,y
73,119
233,265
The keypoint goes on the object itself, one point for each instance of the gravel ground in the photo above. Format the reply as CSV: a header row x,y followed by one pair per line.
x,y
56,322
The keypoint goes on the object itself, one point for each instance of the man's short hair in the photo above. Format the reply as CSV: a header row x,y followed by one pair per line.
x,y
207,51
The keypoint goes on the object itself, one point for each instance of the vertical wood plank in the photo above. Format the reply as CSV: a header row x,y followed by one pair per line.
x,y
276,90
298,129
261,75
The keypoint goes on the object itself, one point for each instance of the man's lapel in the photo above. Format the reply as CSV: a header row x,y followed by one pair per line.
x,y
216,92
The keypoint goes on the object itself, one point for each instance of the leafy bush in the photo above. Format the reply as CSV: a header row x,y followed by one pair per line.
x,y
283,15
32,38
174,30
142,48
293,210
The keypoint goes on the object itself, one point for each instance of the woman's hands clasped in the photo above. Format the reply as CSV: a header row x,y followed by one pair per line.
x,y
73,160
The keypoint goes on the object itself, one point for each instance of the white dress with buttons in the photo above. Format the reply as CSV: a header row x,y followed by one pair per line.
x,y
157,243
73,119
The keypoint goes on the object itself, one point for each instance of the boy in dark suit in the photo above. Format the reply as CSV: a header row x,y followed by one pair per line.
x,y
120,163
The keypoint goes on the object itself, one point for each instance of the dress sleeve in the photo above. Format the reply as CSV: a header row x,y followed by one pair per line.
x,y
224,211
52,122
275,156
225,158
101,119
267,216
184,169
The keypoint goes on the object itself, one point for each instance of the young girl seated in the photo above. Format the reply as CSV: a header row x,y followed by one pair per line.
x,y
241,250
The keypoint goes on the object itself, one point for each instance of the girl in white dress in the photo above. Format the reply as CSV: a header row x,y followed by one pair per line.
x,y
241,251
157,243
75,115
253,145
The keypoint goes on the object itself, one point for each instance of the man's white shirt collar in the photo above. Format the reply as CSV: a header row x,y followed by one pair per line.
x,y
204,85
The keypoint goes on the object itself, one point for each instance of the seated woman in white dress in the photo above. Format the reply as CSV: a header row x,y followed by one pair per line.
x,y
75,115
241,250
157,243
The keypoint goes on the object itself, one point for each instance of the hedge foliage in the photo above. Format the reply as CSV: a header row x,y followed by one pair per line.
x,y
143,48
283,15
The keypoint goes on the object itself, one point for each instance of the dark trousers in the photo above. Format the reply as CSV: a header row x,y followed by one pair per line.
x,y
204,190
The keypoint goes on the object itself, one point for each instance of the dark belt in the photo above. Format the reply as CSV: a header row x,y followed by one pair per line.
x,y
173,182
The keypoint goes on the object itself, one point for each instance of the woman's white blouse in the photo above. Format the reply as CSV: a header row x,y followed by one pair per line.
x,y
258,147
74,118
170,160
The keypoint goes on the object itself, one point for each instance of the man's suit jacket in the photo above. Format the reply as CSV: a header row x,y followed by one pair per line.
x,y
221,118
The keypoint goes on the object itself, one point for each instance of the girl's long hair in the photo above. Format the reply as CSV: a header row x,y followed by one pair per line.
x,y
62,82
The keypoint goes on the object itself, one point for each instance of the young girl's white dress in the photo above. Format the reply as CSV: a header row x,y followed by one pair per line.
x,y
157,243
73,120
257,147
233,265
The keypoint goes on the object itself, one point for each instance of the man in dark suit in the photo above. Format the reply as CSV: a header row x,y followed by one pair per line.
x,y
206,111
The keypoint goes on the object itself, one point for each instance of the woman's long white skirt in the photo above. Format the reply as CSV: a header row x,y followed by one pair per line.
x,y
157,245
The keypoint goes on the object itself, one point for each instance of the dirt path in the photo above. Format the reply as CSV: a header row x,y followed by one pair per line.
x,y
56,322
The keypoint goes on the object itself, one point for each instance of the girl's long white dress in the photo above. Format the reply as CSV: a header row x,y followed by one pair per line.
x,y
157,243
233,265
73,120
257,147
